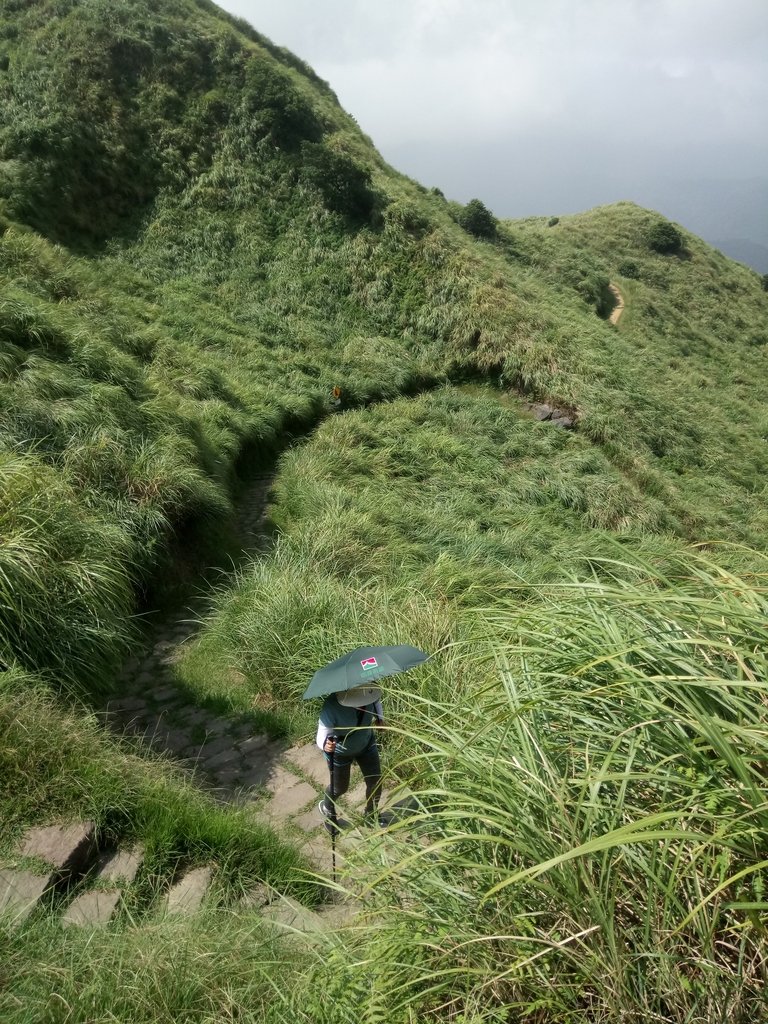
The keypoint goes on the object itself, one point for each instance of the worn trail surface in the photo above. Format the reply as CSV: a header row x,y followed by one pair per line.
x,y
222,753
618,309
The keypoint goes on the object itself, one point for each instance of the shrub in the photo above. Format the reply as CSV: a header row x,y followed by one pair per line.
x,y
277,108
552,221
764,281
664,237
478,220
629,268
343,184
595,290
407,217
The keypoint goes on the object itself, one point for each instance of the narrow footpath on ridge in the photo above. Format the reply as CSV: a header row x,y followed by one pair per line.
x,y
618,309
222,753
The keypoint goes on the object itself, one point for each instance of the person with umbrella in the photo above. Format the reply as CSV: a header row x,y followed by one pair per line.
x,y
345,733
351,713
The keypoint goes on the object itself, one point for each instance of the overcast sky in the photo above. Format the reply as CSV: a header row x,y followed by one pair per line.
x,y
553,106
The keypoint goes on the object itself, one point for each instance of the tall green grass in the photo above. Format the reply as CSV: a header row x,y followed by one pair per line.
x,y
397,520
215,967
229,312
220,291
592,843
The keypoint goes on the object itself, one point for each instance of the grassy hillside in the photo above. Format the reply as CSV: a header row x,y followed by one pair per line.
x,y
271,256
196,246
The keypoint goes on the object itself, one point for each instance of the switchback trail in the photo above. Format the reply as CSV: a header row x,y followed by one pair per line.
x,y
222,753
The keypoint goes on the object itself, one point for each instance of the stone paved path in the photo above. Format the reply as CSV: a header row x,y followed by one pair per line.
x,y
222,753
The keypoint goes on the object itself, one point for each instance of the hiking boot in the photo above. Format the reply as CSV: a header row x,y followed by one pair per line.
x,y
331,827
380,820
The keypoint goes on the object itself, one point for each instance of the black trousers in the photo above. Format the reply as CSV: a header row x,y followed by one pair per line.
x,y
370,766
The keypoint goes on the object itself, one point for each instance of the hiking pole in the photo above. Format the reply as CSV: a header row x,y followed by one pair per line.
x,y
333,816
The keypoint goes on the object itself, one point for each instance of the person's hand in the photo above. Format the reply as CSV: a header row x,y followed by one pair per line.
x,y
329,746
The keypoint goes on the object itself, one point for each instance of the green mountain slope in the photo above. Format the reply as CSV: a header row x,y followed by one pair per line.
x,y
197,245
262,253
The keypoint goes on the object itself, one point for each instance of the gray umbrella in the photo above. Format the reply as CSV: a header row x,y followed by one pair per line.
x,y
361,667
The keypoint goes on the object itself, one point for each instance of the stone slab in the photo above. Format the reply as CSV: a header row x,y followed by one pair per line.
x,y
165,694
335,915
190,753
177,741
127,704
288,802
279,778
61,846
311,820
319,853
226,778
220,760
215,726
133,722
355,797
20,892
540,410
272,752
186,896
216,746
122,866
291,915
194,716
253,744
93,908
257,897
256,776
241,731
311,761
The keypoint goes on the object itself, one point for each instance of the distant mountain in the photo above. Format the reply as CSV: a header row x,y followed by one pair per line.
x,y
745,251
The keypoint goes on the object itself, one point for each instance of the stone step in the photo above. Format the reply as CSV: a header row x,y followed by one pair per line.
x,y
186,895
311,761
64,849
97,906
20,891
290,795
67,847
289,915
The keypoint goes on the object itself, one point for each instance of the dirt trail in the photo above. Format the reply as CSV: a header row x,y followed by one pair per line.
x,y
618,309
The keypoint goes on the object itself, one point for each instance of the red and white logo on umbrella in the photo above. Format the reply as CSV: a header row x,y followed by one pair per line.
x,y
367,663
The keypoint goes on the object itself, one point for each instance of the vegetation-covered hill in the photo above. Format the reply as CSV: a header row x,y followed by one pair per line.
x,y
197,246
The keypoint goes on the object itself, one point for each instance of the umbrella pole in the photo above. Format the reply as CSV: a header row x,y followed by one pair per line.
x,y
333,815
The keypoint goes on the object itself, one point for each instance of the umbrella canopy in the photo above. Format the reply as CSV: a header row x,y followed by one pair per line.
x,y
361,666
